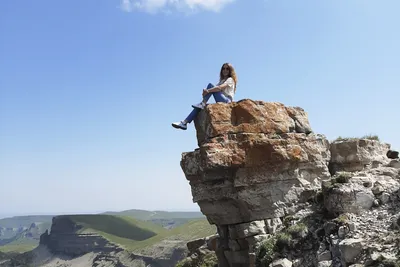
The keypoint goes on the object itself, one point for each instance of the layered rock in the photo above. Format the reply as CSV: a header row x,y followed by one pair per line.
x,y
256,163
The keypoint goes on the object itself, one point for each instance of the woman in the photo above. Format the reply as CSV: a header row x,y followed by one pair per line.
x,y
223,92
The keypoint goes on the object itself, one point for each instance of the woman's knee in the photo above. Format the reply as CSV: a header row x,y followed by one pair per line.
x,y
210,85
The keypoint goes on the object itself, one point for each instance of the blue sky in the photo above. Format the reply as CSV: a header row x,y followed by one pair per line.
x,y
88,89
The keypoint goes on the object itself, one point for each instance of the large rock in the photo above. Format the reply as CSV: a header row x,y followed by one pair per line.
x,y
350,249
248,116
256,161
357,154
245,177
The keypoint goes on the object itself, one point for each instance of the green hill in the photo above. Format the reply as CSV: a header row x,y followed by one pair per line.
x,y
164,218
146,215
119,226
135,234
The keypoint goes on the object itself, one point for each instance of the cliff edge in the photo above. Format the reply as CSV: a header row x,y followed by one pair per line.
x,y
273,187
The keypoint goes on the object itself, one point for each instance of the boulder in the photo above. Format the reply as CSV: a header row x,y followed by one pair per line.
x,y
249,116
255,162
356,154
350,249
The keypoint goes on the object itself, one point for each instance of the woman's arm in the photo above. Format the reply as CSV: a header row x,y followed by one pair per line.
x,y
217,88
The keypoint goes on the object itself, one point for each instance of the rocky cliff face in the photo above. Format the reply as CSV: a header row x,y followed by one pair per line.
x,y
65,238
274,188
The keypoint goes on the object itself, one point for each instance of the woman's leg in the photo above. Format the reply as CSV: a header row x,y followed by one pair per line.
x,y
220,97
207,96
195,111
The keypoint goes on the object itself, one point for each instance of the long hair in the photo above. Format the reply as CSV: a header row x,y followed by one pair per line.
x,y
231,74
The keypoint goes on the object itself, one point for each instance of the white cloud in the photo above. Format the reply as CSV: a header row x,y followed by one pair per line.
x,y
153,6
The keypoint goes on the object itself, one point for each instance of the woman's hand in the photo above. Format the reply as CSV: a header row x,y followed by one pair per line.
x,y
205,92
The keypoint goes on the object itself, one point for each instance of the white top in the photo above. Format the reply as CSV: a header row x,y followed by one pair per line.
x,y
230,90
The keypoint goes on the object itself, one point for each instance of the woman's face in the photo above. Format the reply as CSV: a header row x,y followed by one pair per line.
x,y
225,71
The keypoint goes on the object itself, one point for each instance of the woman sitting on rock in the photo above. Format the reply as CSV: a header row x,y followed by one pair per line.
x,y
223,92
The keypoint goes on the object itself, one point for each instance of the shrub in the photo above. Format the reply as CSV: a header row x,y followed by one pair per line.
x,y
209,260
341,219
368,136
298,230
343,177
283,240
266,252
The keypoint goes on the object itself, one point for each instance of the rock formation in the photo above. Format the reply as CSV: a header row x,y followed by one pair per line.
x,y
65,239
273,187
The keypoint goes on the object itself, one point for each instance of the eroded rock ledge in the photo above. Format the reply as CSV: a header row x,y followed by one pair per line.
x,y
255,163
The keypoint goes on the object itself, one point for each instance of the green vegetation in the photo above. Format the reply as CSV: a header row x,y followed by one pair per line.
x,y
298,230
286,239
192,230
369,137
342,219
336,180
18,247
135,234
145,215
288,220
343,177
119,226
266,252
209,260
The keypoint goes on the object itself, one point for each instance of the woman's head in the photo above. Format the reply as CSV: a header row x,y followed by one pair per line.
x,y
227,71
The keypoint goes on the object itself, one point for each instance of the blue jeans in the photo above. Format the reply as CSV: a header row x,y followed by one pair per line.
x,y
218,96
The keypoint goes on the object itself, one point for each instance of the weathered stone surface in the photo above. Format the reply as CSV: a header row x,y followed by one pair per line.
x,y
237,258
395,163
252,243
347,197
271,225
350,249
195,244
360,191
356,154
325,264
255,163
249,116
281,263
324,256
249,177
244,230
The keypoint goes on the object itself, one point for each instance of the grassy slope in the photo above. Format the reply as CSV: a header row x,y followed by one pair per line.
x,y
19,248
189,231
119,226
134,234
155,215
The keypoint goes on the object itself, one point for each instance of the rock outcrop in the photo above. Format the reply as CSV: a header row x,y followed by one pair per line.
x,y
65,239
282,195
257,162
